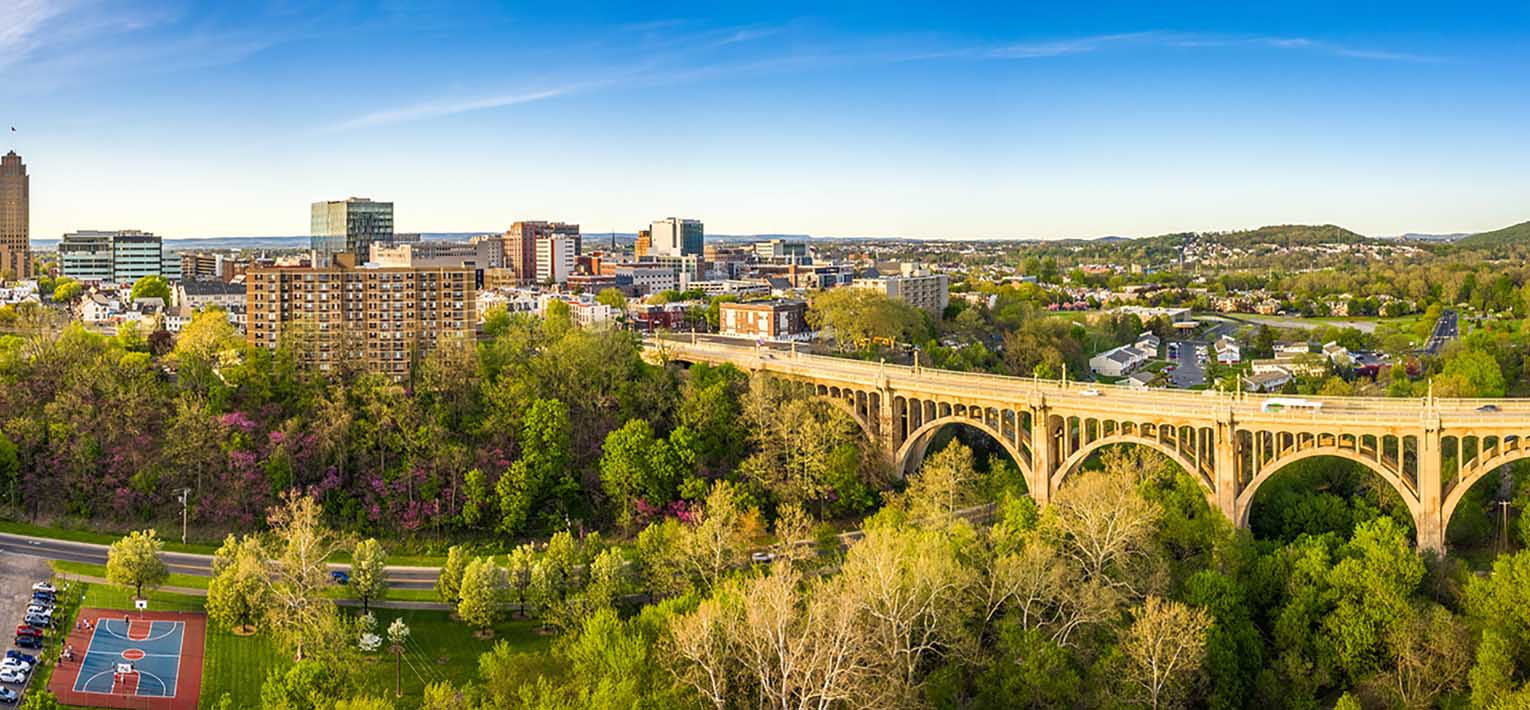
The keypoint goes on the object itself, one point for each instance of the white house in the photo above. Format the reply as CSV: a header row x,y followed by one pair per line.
x,y
1229,352
1139,380
1147,344
1337,354
97,308
1267,381
1117,362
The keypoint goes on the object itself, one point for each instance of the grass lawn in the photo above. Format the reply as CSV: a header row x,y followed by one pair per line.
x,y
89,569
439,649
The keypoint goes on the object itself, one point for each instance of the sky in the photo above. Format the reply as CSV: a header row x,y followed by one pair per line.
x,y
937,120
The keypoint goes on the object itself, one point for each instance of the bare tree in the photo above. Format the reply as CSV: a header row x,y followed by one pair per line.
x,y
1165,648
1101,523
702,650
1432,652
299,612
907,585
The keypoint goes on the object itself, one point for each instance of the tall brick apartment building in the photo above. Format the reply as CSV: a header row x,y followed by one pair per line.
x,y
384,317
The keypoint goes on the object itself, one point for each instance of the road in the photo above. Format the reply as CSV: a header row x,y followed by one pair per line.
x,y
399,577
1446,329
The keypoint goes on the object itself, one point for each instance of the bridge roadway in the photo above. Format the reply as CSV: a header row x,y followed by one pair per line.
x,y
1430,450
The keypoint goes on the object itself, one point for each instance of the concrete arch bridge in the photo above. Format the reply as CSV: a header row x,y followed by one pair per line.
x,y
1429,450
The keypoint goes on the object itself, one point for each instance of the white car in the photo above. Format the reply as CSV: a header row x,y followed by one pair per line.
x,y
1091,392
17,664
45,587
40,609
12,675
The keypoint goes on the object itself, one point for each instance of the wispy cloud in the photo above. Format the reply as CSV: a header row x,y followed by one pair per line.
x,y
448,107
1187,40
21,24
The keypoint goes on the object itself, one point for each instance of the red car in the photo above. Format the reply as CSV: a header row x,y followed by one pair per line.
x,y
25,630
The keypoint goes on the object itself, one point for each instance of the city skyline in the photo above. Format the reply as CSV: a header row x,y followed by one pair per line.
x,y
1033,122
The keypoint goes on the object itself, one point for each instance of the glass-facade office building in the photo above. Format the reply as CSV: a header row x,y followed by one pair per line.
x,y
119,257
351,226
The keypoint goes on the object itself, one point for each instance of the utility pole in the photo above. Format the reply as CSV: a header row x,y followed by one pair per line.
x,y
184,498
1503,526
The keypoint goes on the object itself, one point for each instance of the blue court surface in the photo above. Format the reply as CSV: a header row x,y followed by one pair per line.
x,y
152,648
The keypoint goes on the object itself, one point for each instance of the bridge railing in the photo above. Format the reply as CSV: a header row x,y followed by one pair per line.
x,y
1207,402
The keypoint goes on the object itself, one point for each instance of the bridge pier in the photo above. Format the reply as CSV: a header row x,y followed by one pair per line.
x,y
1429,518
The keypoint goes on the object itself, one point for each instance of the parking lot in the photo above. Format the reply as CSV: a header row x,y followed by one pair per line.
x,y
17,575
1188,371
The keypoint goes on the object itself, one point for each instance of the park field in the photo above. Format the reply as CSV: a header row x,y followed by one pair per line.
x,y
439,649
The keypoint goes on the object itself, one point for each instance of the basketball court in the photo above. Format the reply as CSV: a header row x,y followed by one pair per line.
x,y
133,659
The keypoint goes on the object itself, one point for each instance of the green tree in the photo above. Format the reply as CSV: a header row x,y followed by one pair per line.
x,y
475,497
152,286
541,478
368,572
449,581
1470,373
634,465
134,561
858,318
238,593
67,290
483,594
612,297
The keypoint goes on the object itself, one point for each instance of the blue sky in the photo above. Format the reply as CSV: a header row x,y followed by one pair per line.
x,y
931,120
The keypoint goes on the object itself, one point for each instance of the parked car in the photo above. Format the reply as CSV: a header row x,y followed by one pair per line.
x,y
40,609
27,630
12,675
45,587
23,666
8,696
340,577
21,656
38,621
28,641
43,597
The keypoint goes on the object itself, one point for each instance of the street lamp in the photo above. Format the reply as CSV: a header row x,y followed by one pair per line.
x,y
184,497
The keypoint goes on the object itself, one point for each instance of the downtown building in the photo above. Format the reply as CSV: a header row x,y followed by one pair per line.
x,y
522,243
384,318
919,288
349,226
15,218
115,257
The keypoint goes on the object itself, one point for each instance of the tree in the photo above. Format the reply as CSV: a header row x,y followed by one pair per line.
x,y
1432,652
300,613
946,483
133,561
717,542
152,286
368,572
859,318
1103,525
238,593
634,465
449,581
475,497
398,637
67,290
1164,649
483,594
612,297
1470,373
542,471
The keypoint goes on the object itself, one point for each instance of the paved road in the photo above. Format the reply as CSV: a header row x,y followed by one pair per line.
x,y
1188,371
1446,329
399,577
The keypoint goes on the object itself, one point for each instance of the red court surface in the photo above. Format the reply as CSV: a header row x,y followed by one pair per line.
x,y
149,660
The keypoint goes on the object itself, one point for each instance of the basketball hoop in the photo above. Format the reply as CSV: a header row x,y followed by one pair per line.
x,y
141,604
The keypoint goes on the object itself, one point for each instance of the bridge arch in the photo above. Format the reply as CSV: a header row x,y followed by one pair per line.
x,y
1478,472
1245,501
860,421
912,451
1077,458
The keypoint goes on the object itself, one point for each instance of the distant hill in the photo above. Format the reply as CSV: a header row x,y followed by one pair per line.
x,y
1516,234
1288,235
1417,237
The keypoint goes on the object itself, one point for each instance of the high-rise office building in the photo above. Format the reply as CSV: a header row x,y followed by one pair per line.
x,y
643,244
674,236
115,257
520,244
555,258
349,226
382,318
15,220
